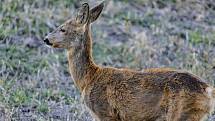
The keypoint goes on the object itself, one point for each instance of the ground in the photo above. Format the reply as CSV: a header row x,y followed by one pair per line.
x,y
35,83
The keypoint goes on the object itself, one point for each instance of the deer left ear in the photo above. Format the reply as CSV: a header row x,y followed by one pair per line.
x,y
95,12
83,14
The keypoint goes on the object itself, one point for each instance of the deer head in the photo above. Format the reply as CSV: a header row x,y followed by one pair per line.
x,y
72,33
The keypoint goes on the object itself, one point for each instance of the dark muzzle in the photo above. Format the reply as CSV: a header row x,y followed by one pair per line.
x,y
46,40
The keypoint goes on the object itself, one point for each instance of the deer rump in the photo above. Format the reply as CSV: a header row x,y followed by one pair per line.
x,y
153,95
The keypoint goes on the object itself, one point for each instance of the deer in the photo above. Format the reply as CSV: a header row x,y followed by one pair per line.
x,y
118,94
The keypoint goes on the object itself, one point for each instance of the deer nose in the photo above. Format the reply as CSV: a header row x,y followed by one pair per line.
x,y
46,40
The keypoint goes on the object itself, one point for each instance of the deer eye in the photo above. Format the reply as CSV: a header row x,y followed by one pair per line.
x,y
62,30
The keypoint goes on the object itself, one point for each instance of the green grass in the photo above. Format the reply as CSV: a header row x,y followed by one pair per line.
x,y
43,107
196,37
29,17
37,77
119,56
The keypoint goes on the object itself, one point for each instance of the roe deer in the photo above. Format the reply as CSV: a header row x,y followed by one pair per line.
x,y
112,94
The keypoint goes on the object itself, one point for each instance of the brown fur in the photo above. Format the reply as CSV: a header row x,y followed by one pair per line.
x,y
125,95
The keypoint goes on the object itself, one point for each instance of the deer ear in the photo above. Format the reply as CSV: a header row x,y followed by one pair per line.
x,y
96,11
83,14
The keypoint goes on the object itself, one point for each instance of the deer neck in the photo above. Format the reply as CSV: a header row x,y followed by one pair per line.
x,y
81,64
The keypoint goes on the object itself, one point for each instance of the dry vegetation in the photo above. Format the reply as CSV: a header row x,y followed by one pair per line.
x,y
34,80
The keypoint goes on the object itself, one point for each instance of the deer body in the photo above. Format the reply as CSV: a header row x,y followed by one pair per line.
x,y
125,95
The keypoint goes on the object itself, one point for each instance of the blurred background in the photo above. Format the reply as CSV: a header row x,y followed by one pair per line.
x,y
35,84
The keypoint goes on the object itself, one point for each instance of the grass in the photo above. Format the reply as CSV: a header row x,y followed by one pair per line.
x,y
35,83
19,16
196,37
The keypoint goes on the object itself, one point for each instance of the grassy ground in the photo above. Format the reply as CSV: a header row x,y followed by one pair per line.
x,y
34,80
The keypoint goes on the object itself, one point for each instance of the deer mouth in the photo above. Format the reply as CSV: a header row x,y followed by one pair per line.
x,y
55,45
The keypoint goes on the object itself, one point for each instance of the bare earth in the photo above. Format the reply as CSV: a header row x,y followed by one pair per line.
x,y
35,83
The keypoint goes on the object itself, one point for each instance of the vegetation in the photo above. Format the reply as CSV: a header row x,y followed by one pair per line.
x,y
35,83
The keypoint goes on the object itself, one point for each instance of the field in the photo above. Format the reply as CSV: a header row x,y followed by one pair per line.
x,y
35,84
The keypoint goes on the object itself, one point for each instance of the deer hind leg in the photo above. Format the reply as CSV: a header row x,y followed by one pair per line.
x,y
196,109
189,107
193,115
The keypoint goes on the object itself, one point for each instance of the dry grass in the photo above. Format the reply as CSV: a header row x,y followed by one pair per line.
x,y
34,80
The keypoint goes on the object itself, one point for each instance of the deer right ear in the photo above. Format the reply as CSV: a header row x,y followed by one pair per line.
x,y
95,12
83,14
